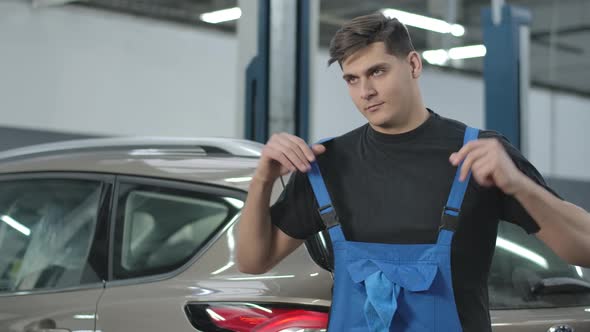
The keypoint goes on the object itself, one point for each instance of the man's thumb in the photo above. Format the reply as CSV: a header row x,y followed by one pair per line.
x,y
318,149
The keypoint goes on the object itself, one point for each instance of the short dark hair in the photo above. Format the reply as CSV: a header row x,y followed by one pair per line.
x,y
364,30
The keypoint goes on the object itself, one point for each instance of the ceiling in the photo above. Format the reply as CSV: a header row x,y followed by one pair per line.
x,y
560,30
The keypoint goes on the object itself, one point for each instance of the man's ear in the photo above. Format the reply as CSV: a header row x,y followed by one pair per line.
x,y
415,64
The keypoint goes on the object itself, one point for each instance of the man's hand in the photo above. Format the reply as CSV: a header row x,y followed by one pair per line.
x,y
565,227
284,153
490,165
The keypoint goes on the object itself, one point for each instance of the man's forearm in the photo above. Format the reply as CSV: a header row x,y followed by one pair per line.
x,y
255,230
565,227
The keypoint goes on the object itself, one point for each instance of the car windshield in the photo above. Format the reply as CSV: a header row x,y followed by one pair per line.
x,y
527,274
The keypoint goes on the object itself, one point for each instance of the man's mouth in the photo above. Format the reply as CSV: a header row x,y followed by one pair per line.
x,y
373,107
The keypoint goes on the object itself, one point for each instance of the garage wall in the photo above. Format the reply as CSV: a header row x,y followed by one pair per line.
x,y
83,71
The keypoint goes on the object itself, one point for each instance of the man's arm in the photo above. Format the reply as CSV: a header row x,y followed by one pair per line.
x,y
565,227
261,245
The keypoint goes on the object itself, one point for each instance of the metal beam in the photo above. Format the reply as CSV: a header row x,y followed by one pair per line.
x,y
257,77
505,68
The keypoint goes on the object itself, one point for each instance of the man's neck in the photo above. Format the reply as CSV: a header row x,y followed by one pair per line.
x,y
413,120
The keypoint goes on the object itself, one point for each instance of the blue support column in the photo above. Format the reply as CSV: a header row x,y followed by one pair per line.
x,y
257,81
303,67
502,71
278,77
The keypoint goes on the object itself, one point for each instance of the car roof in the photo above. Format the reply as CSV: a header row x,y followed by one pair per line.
x,y
226,161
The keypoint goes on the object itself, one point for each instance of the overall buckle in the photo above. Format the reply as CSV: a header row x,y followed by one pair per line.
x,y
329,218
449,221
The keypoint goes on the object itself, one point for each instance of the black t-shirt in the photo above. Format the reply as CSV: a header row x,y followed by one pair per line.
x,y
392,189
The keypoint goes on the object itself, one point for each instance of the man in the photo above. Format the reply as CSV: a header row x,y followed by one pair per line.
x,y
388,182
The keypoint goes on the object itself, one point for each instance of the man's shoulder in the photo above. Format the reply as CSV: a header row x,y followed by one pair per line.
x,y
342,147
448,124
448,127
345,139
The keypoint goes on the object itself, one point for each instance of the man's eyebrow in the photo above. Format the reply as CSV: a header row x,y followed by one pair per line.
x,y
368,71
346,77
376,66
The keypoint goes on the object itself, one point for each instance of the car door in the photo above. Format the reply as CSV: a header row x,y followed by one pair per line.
x,y
532,290
53,233
160,228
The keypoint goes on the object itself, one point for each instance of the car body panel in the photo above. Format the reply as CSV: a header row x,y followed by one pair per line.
x,y
231,172
540,320
72,309
159,305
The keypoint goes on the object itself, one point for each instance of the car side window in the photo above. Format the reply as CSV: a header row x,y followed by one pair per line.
x,y
160,228
47,228
526,274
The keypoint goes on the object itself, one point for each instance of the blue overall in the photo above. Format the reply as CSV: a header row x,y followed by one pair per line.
x,y
393,287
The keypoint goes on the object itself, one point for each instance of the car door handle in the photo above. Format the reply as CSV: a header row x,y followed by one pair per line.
x,y
44,325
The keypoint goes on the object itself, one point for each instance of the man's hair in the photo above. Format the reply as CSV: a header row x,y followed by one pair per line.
x,y
364,30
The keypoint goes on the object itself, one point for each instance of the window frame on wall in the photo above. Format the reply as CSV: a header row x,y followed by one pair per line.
x,y
125,184
97,255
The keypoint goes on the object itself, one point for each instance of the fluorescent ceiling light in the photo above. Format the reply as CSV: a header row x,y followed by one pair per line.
x,y
466,52
223,15
436,57
522,252
16,225
425,22
440,56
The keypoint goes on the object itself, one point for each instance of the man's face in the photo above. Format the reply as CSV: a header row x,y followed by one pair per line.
x,y
380,85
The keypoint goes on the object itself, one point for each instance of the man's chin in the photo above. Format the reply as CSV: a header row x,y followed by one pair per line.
x,y
379,126
381,123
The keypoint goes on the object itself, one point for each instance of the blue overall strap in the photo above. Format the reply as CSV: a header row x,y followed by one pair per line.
x,y
325,207
453,208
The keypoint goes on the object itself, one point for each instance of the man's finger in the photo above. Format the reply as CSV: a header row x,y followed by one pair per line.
x,y
303,147
474,155
482,171
298,161
318,149
457,157
281,158
294,153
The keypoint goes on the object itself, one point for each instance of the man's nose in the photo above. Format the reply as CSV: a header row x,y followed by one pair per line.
x,y
368,91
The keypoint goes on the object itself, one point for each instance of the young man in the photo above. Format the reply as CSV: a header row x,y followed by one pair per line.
x,y
389,180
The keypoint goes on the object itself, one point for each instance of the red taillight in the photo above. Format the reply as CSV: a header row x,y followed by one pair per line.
x,y
250,317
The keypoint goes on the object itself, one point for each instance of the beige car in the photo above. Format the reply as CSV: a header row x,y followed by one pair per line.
x,y
138,234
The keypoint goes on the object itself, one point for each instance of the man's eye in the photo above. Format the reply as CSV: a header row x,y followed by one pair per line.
x,y
351,80
378,72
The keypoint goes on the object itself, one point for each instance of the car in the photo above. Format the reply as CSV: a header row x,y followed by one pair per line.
x,y
138,234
